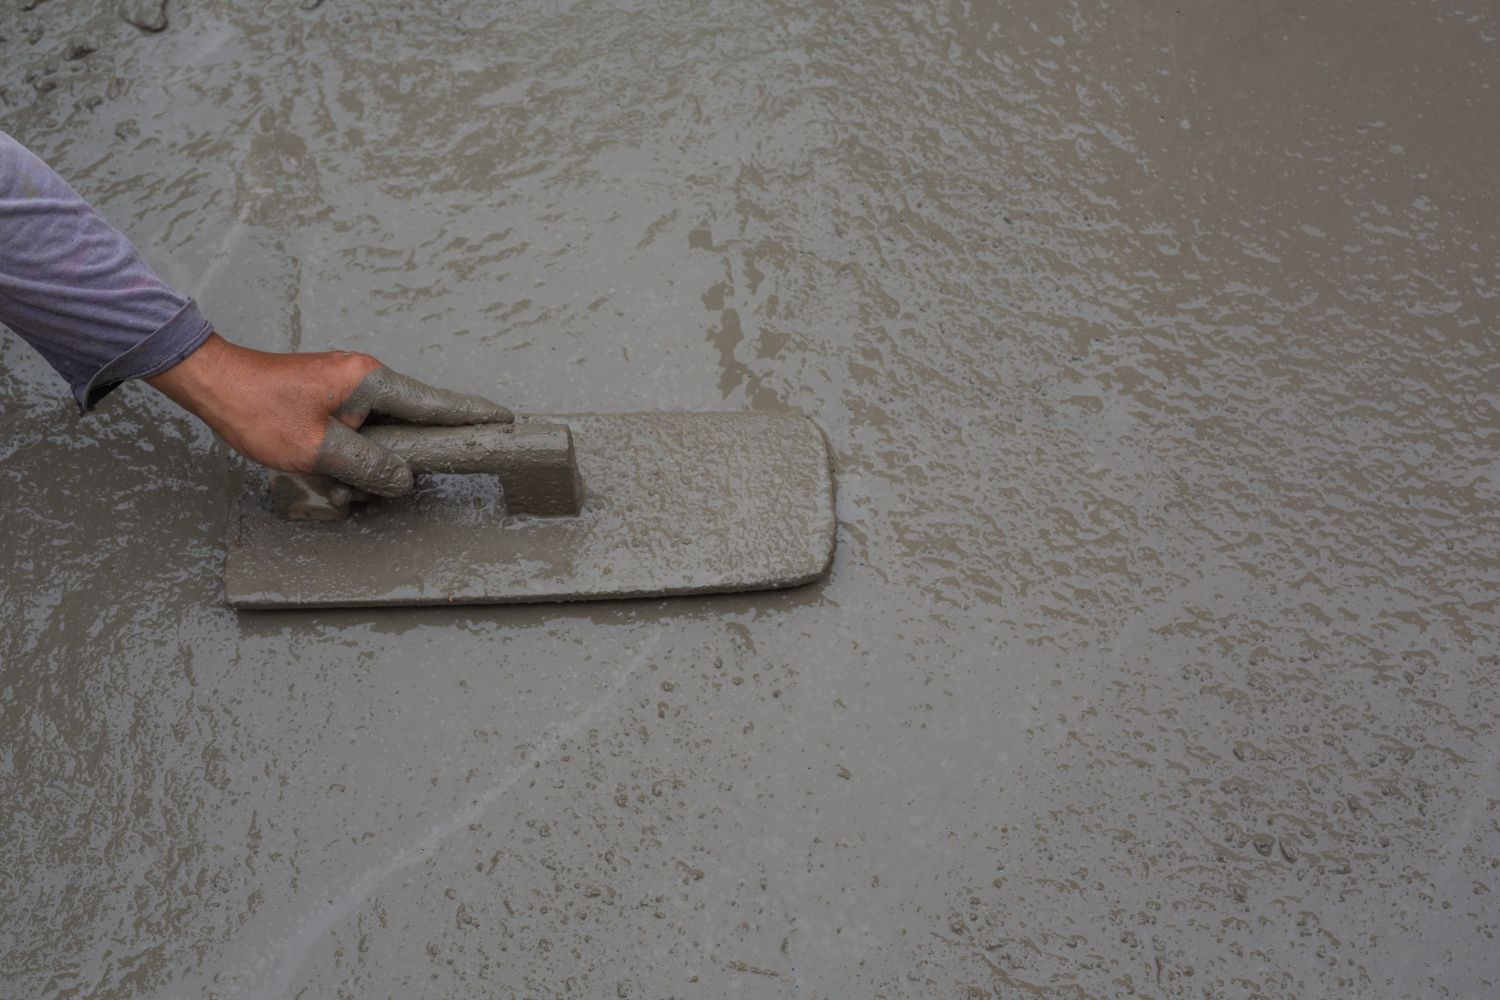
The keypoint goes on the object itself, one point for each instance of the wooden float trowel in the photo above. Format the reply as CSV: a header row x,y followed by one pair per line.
x,y
559,508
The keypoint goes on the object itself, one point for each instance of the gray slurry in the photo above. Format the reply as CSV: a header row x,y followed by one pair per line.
x,y
1156,347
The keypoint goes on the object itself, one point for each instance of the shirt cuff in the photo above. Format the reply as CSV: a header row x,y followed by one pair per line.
x,y
173,341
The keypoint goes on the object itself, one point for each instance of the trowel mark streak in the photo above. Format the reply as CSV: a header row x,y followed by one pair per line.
x,y
219,258
287,959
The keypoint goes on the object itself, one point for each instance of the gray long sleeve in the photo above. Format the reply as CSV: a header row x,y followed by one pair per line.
x,y
75,288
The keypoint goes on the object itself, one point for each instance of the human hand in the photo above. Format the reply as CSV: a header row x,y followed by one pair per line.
x,y
301,412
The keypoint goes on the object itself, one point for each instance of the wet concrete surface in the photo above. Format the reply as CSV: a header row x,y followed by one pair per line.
x,y
1156,348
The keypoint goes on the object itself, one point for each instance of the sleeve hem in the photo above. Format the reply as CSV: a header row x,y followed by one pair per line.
x,y
173,341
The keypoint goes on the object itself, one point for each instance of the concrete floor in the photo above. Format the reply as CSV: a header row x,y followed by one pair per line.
x,y
1157,347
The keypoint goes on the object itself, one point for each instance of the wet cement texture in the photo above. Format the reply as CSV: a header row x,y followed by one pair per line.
x,y
1156,347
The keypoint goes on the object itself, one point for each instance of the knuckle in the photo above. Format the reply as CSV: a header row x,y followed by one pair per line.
x,y
357,366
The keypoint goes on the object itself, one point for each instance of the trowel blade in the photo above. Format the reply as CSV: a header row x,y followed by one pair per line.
x,y
675,503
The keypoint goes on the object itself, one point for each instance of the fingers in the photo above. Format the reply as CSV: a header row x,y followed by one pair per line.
x,y
403,397
365,466
361,463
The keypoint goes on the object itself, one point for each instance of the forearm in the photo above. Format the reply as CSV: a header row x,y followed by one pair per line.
x,y
76,289
73,286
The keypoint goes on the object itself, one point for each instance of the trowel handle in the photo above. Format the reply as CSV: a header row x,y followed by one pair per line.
x,y
477,448
534,462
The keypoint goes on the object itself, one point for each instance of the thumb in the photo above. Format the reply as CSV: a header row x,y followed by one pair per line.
x,y
351,458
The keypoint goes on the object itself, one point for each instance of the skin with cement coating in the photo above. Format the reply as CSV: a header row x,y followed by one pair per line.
x,y
359,461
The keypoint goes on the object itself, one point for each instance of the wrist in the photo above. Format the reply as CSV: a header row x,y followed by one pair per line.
x,y
198,379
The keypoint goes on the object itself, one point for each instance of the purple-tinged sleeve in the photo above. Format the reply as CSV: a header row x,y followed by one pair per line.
x,y
75,288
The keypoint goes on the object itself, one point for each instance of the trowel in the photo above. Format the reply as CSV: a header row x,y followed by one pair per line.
x,y
550,508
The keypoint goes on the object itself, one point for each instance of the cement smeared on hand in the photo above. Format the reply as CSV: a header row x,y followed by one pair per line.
x,y
534,462
360,461
402,397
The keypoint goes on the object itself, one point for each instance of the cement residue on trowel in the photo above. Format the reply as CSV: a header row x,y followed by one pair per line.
x,y
477,498
675,503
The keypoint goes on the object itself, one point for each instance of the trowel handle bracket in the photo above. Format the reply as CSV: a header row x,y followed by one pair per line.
x,y
534,462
